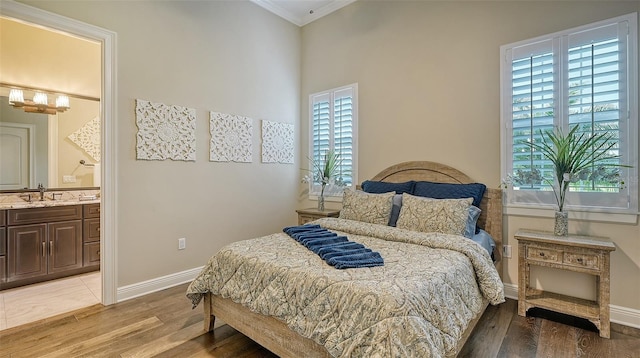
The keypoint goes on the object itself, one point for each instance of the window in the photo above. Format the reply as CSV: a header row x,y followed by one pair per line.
x,y
583,77
333,117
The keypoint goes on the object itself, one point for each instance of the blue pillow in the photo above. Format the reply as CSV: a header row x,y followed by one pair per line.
x,y
379,187
395,209
450,191
485,240
472,219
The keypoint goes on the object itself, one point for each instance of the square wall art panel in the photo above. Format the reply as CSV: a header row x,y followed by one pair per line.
x,y
277,142
165,132
231,138
87,137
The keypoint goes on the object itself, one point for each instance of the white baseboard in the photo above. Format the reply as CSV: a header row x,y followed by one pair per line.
x,y
621,315
511,291
625,316
157,284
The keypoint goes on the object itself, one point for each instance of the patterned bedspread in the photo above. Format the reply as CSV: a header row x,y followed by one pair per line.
x,y
417,305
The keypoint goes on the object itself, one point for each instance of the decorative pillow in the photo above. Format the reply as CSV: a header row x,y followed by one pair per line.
x,y
472,219
371,208
448,216
450,191
370,186
395,209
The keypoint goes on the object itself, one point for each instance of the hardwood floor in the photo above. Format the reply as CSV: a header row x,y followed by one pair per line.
x,y
162,324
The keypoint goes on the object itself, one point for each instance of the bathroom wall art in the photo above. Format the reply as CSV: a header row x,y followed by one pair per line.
x,y
277,142
165,132
87,137
231,138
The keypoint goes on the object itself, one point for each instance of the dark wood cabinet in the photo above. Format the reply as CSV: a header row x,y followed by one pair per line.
x,y
48,243
3,246
91,235
65,246
26,252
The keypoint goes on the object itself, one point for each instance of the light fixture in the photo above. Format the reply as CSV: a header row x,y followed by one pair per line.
x,y
39,103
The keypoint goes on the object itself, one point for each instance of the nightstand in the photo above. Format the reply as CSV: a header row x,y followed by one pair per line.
x,y
574,253
306,215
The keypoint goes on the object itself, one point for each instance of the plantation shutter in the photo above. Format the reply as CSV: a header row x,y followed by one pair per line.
x,y
533,83
321,132
343,132
594,84
580,77
333,118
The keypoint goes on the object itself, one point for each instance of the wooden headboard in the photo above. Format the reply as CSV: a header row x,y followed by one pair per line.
x,y
491,204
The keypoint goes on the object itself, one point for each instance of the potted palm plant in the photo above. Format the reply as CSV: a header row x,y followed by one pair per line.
x,y
574,155
323,171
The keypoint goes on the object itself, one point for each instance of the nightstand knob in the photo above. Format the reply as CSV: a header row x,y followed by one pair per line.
x,y
579,259
542,254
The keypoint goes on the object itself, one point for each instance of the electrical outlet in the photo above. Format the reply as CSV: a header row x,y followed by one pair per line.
x,y
182,243
506,251
68,178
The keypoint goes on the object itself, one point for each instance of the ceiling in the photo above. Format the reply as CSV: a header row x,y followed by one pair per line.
x,y
302,12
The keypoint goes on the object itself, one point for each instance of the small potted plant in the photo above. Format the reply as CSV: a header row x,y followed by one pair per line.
x,y
573,156
324,171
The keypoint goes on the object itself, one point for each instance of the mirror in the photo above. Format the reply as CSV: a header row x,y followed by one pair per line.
x,y
61,151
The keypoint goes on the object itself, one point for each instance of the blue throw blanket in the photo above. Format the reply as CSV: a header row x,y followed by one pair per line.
x,y
335,250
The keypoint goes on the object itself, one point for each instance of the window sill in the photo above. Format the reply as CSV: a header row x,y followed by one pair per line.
x,y
333,199
621,218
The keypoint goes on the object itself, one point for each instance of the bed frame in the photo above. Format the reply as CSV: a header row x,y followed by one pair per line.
x,y
277,337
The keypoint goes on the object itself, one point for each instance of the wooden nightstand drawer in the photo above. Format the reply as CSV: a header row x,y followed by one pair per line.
x,y
581,260
541,254
303,219
307,215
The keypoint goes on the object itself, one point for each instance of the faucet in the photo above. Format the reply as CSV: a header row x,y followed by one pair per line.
x,y
42,190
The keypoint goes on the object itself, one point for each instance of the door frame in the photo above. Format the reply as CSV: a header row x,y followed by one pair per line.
x,y
108,107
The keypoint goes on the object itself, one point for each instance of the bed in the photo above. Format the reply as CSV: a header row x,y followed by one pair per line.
x,y
315,310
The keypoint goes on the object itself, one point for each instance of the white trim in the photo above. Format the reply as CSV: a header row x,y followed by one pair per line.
x,y
108,103
622,218
302,20
621,315
625,316
157,284
52,151
511,291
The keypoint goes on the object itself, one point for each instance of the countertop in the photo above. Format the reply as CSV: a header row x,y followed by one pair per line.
x,y
16,201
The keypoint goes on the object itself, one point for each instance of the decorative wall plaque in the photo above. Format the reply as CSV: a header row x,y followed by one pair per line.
x,y
165,132
231,138
277,142
87,137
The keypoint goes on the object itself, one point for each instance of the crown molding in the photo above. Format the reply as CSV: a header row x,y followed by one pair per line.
x,y
308,17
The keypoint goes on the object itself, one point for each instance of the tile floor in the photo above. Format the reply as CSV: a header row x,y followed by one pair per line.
x,y
30,303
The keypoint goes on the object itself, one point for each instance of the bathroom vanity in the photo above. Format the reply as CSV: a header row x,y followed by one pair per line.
x,y
48,242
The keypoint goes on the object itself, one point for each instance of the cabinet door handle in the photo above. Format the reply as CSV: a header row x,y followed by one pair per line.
x,y
44,248
542,254
579,259
51,247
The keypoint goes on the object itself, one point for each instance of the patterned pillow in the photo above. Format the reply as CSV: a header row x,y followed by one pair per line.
x,y
448,216
370,208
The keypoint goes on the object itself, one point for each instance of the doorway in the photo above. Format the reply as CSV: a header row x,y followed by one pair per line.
x,y
107,41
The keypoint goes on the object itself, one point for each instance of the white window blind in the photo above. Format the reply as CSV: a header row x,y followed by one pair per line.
x,y
581,77
333,123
